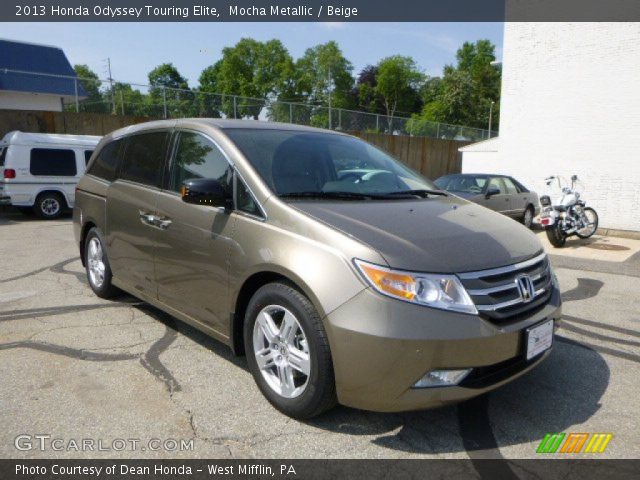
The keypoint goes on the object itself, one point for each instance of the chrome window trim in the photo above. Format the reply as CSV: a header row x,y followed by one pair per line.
x,y
501,270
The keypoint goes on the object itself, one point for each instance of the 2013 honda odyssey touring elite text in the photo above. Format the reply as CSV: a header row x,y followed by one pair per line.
x,y
341,274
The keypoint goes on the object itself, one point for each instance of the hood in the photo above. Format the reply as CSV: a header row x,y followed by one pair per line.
x,y
465,195
440,235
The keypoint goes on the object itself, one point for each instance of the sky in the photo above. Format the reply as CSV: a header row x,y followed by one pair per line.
x,y
136,48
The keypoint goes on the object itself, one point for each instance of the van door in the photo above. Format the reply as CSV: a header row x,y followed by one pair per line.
x,y
131,211
194,242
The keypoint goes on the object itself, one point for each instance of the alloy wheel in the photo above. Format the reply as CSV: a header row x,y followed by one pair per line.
x,y
281,351
50,206
95,262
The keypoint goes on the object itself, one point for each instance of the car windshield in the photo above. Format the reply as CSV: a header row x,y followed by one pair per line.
x,y
323,165
462,183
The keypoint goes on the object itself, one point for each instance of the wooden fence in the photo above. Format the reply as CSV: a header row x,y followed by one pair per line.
x,y
432,157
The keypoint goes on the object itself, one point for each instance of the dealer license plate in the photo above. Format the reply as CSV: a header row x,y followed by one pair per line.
x,y
539,338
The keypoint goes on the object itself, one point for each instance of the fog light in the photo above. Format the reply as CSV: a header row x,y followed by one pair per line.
x,y
442,378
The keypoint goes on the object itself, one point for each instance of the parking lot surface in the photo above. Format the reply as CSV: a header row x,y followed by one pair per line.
x,y
74,367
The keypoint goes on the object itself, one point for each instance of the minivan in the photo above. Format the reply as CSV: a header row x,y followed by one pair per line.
x,y
342,275
39,171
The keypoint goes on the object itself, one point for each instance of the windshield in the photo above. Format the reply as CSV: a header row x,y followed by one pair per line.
x,y
462,183
325,165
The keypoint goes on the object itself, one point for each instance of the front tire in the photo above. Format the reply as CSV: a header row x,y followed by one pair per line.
x,y
97,265
288,351
593,221
556,236
49,205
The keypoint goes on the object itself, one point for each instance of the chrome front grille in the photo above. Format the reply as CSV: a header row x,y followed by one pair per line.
x,y
496,293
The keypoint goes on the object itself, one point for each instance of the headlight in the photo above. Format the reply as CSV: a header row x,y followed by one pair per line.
x,y
433,290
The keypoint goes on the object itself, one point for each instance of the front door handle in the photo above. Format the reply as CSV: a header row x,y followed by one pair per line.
x,y
147,218
163,223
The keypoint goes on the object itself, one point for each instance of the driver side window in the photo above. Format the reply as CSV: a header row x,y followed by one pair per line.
x,y
498,184
198,157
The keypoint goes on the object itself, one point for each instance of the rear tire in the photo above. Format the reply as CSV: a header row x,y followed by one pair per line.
x,y
97,265
556,236
527,218
49,205
595,222
288,352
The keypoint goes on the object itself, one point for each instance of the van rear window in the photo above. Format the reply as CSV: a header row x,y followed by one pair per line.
x,y
87,156
53,162
3,155
106,163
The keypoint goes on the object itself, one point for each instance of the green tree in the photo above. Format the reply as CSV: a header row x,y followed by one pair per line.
x,y
464,94
168,86
323,78
260,71
398,83
95,101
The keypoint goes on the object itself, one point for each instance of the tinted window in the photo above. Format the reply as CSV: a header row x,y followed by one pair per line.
x,y
198,157
3,155
53,162
144,158
244,199
511,188
106,163
307,162
462,183
87,156
497,183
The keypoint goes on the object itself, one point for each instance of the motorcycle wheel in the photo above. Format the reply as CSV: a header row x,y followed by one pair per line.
x,y
593,224
556,236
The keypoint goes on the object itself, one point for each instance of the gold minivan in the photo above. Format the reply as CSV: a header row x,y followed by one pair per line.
x,y
341,274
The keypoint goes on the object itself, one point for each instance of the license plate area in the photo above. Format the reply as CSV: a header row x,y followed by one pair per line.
x,y
539,338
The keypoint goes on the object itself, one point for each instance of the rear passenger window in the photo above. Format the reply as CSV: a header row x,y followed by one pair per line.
x,y
87,156
106,163
199,157
53,162
144,158
511,188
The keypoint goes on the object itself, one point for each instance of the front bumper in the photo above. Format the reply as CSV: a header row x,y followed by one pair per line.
x,y
381,347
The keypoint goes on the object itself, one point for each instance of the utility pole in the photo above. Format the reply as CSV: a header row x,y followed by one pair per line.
x,y
330,98
110,78
490,117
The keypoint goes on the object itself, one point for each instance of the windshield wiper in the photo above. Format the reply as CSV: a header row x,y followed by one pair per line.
x,y
424,193
330,195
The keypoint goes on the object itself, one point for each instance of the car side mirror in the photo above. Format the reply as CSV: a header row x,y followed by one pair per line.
x,y
206,191
492,191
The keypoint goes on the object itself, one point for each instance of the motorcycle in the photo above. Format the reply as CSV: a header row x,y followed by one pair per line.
x,y
570,216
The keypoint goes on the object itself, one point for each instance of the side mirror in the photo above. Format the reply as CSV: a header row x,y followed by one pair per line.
x,y
492,191
206,191
574,178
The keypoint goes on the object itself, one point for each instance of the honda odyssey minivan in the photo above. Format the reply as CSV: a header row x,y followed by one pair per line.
x,y
342,275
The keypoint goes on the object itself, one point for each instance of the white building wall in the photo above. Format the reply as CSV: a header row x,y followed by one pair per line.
x,y
571,105
29,101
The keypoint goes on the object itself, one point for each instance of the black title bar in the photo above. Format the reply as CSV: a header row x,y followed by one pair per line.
x,y
317,11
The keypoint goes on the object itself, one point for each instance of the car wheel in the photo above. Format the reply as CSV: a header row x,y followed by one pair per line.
x,y
97,265
527,219
49,205
288,351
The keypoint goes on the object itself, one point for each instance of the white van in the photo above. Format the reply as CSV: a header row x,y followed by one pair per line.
x,y
39,171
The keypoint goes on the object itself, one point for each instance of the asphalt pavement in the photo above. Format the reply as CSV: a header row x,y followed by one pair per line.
x,y
75,368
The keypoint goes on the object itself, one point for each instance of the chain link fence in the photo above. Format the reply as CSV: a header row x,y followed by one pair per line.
x,y
120,98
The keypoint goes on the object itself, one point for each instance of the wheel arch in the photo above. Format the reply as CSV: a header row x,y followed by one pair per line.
x,y
249,287
88,225
52,190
